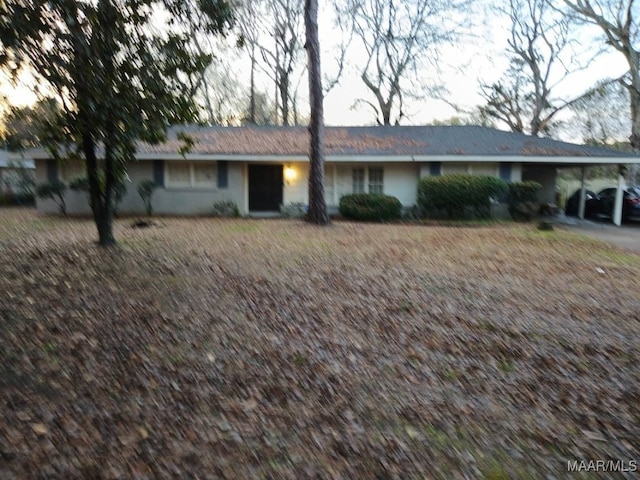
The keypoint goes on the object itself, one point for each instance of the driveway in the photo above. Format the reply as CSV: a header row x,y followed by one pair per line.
x,y
626,236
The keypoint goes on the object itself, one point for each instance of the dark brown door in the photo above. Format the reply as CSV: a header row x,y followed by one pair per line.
x,y
265,188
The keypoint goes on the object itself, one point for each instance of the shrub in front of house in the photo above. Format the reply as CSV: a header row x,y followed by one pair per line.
x,y
371,207
523,200
225,208
79,184
7,198
145,190
23,199
55,191
293,210
459,195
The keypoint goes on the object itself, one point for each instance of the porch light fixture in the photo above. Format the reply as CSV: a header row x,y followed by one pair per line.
x,y
290,173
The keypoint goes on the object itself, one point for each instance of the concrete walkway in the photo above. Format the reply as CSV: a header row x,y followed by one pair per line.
x,y
626,236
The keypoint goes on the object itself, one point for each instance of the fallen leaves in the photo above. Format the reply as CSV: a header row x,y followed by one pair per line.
x,y
39,428
246,349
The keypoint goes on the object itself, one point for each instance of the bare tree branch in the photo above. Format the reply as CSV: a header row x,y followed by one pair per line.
x,y
617,20
542,58
398,38
275,29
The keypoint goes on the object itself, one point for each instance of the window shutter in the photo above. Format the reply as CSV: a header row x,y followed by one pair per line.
x,y
435,169
158,172
223,174
52,170
505,171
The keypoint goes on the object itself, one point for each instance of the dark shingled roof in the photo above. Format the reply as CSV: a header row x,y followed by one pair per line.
x,y
387,141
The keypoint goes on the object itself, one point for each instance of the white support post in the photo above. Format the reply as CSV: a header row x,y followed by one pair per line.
x,y
617,209
583,192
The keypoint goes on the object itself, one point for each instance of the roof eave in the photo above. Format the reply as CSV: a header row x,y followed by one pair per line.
x,y
345,158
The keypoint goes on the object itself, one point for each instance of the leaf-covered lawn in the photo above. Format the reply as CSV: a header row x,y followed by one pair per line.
x,y
203,348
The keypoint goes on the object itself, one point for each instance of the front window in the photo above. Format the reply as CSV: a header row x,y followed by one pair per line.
x,y
182,174
204,174
358,180
368,180
376,180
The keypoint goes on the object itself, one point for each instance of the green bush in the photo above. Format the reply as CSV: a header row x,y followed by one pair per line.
x,y
54,190
79,184
145,190
454,195
7,198
523,200
370,207
26,199
293,210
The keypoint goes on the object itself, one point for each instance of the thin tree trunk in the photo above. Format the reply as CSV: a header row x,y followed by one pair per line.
x,y
102,214
634,139
634,97
252,99
317,206
284,98
386,114
276,114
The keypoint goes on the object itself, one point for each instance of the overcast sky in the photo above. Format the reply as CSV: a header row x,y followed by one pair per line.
x,y
462,68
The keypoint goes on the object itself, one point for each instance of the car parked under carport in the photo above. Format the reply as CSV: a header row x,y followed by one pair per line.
x,y
604,203
572,206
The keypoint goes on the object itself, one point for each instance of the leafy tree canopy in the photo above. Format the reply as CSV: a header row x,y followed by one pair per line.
x,y
123,70
27,127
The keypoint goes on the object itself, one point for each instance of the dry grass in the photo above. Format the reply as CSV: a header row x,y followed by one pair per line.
x,y
206,348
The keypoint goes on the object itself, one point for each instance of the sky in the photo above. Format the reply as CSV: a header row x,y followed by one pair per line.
x,y
20,94
471,62
464,67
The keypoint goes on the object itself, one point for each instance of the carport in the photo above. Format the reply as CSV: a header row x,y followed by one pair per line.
x,y
544,171
540,159
620,184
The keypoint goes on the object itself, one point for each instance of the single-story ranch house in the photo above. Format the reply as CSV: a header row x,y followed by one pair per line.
x,y
264,168
9,175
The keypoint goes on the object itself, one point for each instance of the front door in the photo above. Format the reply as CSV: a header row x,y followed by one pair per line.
x,y
265,188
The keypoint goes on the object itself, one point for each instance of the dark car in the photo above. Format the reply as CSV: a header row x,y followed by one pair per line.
x,y
630,203
573,203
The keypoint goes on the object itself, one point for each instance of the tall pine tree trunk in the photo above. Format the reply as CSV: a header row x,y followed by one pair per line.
x,y
317,206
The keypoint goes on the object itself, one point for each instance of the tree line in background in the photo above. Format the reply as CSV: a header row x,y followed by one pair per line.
x,y
395,49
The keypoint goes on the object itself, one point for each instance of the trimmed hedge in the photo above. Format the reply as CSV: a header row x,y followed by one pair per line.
x,y
454,195
19,199
79,184
371,207
523,200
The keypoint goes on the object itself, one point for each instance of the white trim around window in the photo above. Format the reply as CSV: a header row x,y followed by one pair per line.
x,y
192,175
367,180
